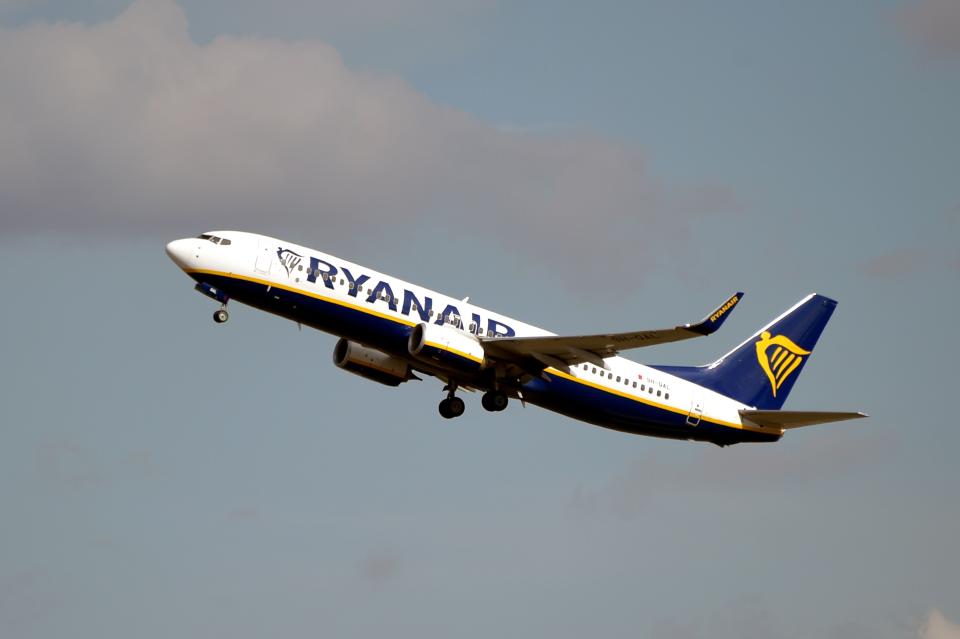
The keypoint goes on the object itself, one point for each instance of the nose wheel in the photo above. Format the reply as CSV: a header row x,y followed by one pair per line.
x,y
452,406
221,316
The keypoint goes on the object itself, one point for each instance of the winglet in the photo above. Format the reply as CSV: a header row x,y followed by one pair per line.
x,y
714,320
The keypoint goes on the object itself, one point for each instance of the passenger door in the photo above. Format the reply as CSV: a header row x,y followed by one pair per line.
x,y
696,410
264,257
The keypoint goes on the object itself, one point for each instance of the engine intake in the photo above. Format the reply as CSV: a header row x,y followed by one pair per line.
x,y
371,363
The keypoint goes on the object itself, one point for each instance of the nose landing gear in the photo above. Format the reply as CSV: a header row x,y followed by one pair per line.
x,y
215,293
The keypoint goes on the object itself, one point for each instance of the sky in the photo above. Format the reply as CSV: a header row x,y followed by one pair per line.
x,y
582,167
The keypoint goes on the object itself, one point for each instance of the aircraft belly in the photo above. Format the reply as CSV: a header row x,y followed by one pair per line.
x,y
602,408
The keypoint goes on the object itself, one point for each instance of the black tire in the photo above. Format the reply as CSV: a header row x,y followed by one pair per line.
x,y
221,316
445,409
456,406
494,401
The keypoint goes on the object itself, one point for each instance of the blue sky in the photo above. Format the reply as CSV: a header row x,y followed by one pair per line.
x,y
611,167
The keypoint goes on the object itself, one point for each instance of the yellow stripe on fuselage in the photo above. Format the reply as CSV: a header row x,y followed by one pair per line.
x,y
332,300
441,347
644,400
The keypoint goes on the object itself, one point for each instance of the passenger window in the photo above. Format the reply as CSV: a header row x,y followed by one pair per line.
x,y
643,387
651,390
352,285
658,393
225,242
609,375
634,384
325,277
300,267
666,395
618,378
594,371
341,281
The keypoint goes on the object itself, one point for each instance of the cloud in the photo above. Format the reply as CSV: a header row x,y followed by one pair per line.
x,y
734,470
933,25
26,599
357,14
380,567
16,5
937,626
905,261
129,126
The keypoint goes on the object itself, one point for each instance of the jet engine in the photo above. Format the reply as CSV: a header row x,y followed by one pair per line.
x,y
446,346
371,363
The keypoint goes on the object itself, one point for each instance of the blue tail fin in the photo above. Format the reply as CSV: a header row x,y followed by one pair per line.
x,y
761,371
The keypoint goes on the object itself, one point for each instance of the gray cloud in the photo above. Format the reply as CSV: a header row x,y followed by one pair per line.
x,y
901,262
756,468
932,24
358,14
379,567
747,617
131,126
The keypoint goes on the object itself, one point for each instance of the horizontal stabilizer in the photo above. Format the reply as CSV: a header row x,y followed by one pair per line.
x,y
784,419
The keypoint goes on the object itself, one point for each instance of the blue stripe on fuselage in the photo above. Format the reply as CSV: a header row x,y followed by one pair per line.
x,y
569,397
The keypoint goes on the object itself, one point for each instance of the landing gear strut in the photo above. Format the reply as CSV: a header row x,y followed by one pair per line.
x,y
494,401
221,315
452,406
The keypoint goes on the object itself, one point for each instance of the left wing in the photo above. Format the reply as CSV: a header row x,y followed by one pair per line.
x,y
564,351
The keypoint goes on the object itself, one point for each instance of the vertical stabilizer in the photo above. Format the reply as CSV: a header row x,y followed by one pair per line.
x,y
761,371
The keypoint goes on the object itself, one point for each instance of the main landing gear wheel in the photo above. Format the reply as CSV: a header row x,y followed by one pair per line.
x,y
221,316
494,401
452,407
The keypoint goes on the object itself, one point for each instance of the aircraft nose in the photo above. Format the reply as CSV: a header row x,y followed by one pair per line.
x,y
181,252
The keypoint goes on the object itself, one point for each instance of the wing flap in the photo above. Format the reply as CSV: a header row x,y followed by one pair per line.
x,y
786,419
592,348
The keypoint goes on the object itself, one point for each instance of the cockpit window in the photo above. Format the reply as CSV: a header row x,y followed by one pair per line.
x,y
213,238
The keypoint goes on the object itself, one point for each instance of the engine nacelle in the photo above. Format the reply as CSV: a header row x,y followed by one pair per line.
x,y
371,363
446,346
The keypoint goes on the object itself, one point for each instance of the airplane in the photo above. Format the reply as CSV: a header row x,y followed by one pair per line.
x,y
391,331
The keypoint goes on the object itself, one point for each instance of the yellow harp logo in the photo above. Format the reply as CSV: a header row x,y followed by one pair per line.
x,y
778,357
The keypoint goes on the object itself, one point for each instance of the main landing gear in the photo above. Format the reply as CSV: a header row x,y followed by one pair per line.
x,y
221,315
494,401
452,406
